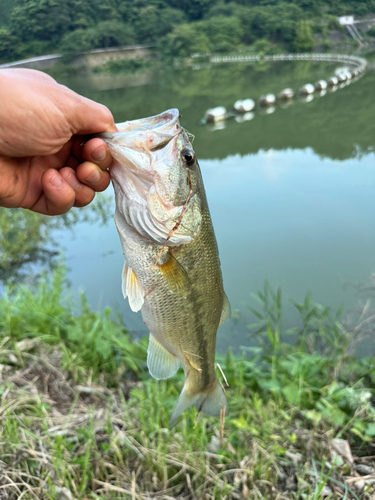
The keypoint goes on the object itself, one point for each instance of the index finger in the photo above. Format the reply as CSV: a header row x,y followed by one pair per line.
x,y
96,150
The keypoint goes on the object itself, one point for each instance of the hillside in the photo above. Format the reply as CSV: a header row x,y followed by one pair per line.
x,y
34,27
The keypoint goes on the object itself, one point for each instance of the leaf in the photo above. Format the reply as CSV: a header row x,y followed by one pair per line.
x,y
370,430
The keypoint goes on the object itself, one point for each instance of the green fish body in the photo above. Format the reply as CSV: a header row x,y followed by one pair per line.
x,y
172,267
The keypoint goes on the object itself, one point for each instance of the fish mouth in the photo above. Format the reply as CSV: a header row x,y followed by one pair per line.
x,y
166,123
139,146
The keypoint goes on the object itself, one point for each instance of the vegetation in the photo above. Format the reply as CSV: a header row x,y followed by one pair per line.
x,y
81,418
33,27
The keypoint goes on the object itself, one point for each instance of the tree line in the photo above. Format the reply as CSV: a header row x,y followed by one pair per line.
x,y
177,27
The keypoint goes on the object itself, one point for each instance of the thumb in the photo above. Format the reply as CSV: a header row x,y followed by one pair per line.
x,y
89,117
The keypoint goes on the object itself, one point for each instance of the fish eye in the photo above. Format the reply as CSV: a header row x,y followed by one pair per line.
x,y
189,157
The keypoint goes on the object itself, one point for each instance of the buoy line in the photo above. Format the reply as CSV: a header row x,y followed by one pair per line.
x,y
243,108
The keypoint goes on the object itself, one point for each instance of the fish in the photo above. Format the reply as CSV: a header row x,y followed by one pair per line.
x,y
172,269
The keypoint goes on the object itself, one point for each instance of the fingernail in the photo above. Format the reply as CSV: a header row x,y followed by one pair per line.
x,y
93,177
73,182
56,181
99,153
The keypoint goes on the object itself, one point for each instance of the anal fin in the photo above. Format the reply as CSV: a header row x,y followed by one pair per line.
x,y
161,363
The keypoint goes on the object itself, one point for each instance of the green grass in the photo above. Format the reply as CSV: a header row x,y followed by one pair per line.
x,y
80,417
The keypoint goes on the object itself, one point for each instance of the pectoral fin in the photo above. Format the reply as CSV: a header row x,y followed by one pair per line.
x,y
132,289
175,274
123,282
161,363
226,312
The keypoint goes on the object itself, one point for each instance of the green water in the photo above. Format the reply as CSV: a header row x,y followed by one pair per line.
x,y
292,192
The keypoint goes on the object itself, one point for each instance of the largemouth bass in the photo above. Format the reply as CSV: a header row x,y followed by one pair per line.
x,y
172,268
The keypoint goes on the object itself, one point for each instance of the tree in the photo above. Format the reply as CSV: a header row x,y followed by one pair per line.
x,y
5,10
194,9
103,35
224,33
7,44
152,23
45,20
304,41
185,40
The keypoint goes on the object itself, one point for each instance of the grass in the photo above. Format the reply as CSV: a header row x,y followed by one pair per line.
x,y
80,417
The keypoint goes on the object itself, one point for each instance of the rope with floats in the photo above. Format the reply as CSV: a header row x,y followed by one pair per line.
x,y
243,108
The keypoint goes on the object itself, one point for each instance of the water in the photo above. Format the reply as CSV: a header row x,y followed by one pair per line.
x,y
291,193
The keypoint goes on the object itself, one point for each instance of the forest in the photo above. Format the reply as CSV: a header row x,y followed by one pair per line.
x,y
176,27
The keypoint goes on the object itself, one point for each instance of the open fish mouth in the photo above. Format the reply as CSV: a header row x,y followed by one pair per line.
x,y
164,124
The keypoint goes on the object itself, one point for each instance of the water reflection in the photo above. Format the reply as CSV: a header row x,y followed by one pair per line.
x,y
330,126
245,117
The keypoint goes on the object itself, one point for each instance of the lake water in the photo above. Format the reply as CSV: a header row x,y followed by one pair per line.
x,y
291,192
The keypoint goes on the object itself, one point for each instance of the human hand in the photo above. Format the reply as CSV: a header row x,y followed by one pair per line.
x,y
46,165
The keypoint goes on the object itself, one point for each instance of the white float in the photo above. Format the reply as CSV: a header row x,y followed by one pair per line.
x,y
307,89
267,100
321,85
285,94
332,81
244,106
216,114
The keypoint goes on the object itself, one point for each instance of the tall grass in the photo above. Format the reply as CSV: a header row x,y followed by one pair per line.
x,y
80,417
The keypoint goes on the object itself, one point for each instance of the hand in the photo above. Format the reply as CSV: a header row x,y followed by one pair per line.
x,y
46,165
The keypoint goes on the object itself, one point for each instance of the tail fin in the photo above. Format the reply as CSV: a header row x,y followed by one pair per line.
x,y
208,402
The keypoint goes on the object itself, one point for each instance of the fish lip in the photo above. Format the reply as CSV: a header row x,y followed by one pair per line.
x,y
165,119
165,123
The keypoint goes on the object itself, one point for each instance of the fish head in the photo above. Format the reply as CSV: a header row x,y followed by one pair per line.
x,y
156,178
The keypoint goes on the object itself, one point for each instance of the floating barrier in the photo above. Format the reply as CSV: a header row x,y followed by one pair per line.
x,y
332,81
216,114
285,94
320,85
307,89
267,100
342,77
243,106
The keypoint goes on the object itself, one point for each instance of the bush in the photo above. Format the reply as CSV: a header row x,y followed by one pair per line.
x,y
371,31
